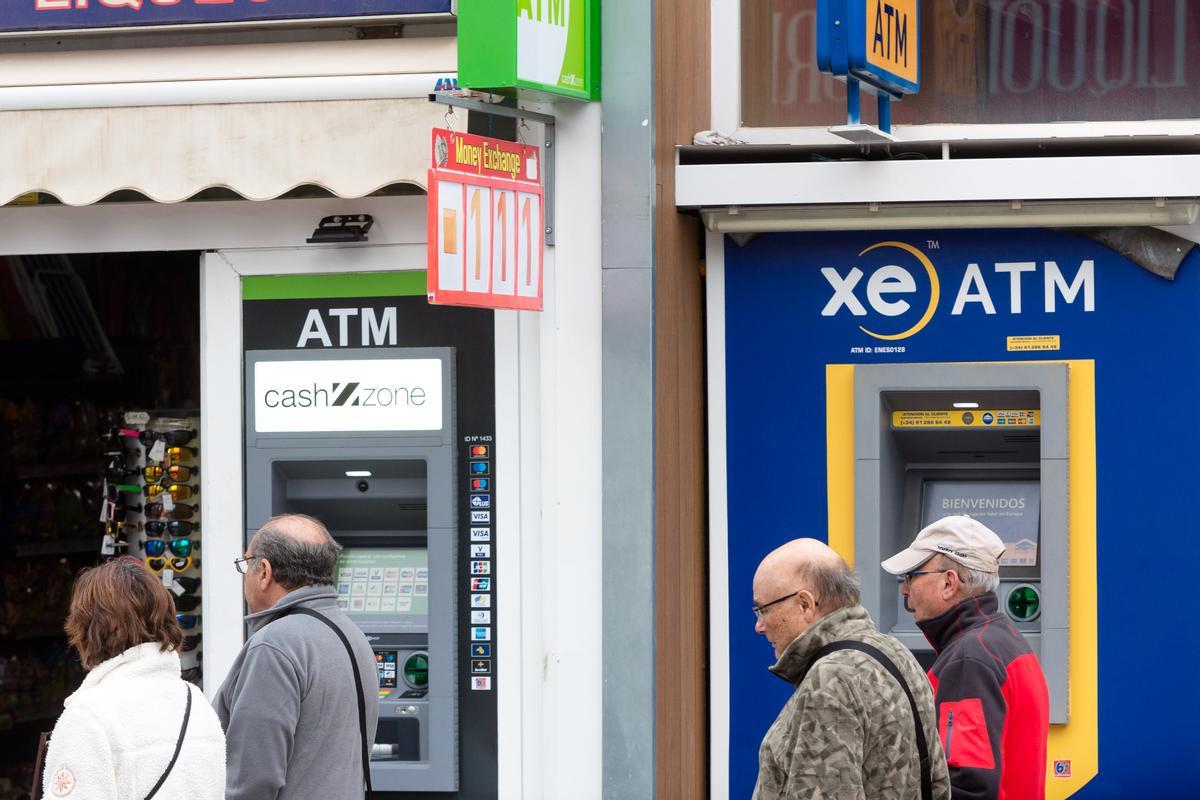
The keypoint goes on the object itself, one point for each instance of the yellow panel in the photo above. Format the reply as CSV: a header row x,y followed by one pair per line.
x,y
1078,740
891,32
975,418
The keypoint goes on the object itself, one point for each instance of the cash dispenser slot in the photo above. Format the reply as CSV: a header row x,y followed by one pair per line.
x,y
982,440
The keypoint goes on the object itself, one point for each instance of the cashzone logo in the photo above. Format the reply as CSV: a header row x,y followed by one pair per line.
x,y
348,395
892,291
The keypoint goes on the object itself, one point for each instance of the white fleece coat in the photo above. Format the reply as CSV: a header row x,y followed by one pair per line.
x,y
118,732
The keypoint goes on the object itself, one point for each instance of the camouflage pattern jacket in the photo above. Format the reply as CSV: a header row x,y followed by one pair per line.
x,y
847,731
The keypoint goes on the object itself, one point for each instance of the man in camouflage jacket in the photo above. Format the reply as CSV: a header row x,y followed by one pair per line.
x,y
848,730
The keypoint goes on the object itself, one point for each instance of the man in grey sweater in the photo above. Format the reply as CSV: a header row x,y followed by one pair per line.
x,y
289,706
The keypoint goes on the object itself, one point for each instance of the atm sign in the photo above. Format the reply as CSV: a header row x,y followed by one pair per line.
x,y
892,37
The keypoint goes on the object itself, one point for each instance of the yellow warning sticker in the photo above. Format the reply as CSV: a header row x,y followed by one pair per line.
x,y
974,418
1019,344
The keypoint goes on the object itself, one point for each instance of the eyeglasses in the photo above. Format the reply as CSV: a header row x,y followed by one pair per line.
x,y
172,438
908,576
178,491
180,548
242,564
176,472
758,610
187,621
181,511
175,527
157,564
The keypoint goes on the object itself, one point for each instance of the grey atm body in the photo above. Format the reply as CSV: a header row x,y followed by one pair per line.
x,y
906,477
409,503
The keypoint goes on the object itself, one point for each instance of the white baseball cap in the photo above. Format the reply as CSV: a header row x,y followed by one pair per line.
x,y
963,539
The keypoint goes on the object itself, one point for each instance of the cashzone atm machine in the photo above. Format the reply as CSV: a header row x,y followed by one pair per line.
x,y
381,478
983,440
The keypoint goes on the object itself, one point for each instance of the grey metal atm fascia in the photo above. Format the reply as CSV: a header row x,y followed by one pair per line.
x,y
439,772
872,493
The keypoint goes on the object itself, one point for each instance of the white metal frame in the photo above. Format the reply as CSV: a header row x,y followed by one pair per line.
x,y
718,522
726,73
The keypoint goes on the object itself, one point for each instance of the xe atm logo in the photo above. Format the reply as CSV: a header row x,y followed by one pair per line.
x,y
888,291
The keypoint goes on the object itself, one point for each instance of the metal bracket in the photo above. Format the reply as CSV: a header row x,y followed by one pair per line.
x,y
547,120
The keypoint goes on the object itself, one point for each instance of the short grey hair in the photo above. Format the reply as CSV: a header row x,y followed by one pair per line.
x,y
974,582
834,583
295,561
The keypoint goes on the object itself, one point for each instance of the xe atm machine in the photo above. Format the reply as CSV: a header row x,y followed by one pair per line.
x,y
364,441
984,440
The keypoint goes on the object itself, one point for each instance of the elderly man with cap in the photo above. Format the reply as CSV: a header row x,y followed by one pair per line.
x,y
860,723
992,704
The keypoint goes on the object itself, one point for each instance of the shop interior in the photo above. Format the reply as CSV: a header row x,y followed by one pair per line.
x,y
99,427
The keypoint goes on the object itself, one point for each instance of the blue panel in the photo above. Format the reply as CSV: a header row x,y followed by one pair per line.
x,y
832,45
39,15
1143,337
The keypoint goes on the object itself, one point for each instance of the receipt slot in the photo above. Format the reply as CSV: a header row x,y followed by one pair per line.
x,y
984,440
364,441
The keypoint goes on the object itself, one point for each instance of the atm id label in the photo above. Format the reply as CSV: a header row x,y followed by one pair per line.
x,y
481,551
481,568
481,600
481,584
481,501
481,534
482,634
481,518
481,684
481,617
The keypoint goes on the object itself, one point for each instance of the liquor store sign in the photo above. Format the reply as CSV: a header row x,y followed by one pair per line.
x,y
58,15
486,217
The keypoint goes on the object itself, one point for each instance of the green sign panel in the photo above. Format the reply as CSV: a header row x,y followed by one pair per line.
x,y
541,48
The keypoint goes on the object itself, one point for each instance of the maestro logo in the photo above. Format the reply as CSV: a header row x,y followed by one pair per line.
x,y
893,290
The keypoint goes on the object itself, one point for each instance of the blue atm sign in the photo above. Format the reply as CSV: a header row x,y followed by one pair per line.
x,y
876,41
58,15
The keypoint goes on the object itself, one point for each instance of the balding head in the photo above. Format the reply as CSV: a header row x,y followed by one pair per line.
x,y
299,548
815,582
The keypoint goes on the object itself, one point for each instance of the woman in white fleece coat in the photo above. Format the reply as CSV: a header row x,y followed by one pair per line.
x,y
118,733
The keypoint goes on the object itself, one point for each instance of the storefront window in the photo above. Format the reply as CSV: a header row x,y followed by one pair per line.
x,y
991,61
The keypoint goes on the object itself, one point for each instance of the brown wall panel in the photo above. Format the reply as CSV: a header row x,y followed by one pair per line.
x,y
682,108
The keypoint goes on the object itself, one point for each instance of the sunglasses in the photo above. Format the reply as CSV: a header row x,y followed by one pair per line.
x,y
172,438
191,642
188,584
181,511
180,548
175,472
187,602
174,527
187,621
158,563
180,453
178,491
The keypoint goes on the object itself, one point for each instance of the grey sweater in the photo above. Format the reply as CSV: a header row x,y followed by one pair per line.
x,y
288,706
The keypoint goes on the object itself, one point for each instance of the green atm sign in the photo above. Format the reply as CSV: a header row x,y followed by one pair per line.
x,y
531,47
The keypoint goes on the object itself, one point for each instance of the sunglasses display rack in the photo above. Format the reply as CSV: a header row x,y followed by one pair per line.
x,y
153,513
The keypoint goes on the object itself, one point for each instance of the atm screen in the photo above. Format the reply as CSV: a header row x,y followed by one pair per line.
x,y
385,582
1010,508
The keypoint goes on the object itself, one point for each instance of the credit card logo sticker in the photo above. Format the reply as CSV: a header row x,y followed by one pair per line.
x,y
481,568
481,600
483,634
481,484
481,518
481,684
481,551
481,584
481,650
479,468
481,501
481,534
481,666
479,451
481,618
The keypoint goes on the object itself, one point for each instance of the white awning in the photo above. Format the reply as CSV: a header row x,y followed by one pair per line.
x,y
355,119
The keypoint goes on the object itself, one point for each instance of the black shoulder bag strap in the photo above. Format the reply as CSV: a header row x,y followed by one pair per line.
x,y
887,664
358,690
187,713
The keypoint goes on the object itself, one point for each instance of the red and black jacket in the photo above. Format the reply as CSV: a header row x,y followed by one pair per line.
x,y
992,704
